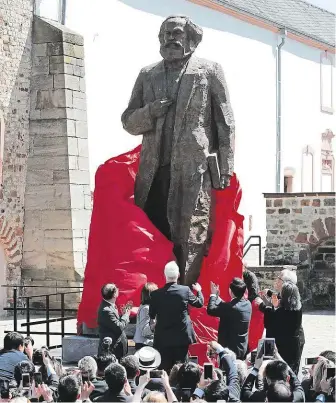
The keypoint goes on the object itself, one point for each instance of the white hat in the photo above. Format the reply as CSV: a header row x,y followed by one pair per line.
x,y
148,357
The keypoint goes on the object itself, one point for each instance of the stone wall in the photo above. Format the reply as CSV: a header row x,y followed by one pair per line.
x,y
301,232
296,223
15,69
317,289
58,197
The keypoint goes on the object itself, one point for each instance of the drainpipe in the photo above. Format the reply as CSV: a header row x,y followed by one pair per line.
x,y
283,34
63,11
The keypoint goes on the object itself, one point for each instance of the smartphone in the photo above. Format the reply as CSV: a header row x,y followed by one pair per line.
x,y
194,359
270,293
186,394
260,349
26,381
253,356
4,389
269,348
85,378
311,361
208,371
38,378
157,373
330,372
59,360
129,304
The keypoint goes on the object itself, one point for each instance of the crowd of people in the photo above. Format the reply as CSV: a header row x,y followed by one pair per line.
x,y
160,370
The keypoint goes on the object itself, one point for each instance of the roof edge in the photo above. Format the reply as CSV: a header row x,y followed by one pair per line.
x,y
265,23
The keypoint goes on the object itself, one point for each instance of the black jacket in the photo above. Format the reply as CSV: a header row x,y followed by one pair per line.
x,y
169,305
111,397
234,323
110,324
285,327
229,367
100,388
252,284
247,395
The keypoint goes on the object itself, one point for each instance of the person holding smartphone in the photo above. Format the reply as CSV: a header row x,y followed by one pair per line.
x,y
320,382
280,382
110,323
210,387
283,322
13,353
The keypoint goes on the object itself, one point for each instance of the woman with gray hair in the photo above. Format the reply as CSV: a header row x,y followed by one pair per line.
x,y
283,321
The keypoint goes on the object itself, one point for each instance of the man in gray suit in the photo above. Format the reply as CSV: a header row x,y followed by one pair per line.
x,y
181,107
110,323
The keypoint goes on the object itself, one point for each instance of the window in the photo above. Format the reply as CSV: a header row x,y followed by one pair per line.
x,y
327,162
307,170
288,180
326,82
2,143
52,9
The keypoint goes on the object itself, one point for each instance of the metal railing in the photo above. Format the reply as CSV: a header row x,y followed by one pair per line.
x,y
248,245
23,304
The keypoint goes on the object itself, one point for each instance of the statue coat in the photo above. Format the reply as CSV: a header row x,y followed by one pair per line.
x,y
203,124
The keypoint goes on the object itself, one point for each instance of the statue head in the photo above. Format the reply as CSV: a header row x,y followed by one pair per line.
x,y
179,37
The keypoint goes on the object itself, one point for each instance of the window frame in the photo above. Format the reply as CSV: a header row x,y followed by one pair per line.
x,y
307,150
326,108
61,10
327,155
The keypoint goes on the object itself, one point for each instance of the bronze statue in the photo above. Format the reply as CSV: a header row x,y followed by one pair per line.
x,y
181,107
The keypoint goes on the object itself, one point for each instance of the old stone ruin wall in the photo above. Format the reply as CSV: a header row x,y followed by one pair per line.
x,y
45,197
301,232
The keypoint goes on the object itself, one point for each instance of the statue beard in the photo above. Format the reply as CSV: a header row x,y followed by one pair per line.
x,y
174,51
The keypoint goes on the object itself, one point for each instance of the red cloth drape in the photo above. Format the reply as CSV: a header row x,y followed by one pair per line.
x,y
126,249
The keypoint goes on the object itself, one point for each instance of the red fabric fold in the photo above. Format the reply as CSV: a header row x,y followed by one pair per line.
x,y
125,248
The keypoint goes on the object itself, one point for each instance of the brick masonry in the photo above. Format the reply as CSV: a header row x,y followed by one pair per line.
x,y
58,196
301,232
45,198
15,70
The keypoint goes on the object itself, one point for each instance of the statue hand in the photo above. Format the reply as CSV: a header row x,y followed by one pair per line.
x,y
225,181
159,107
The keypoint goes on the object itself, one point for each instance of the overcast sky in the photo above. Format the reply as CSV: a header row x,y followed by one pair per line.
x,y
329,5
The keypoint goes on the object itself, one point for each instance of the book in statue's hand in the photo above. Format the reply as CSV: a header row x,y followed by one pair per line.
x,y
214,170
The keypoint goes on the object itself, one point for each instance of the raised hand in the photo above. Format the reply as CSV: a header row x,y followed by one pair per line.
x,y
196,287
87,389
214,288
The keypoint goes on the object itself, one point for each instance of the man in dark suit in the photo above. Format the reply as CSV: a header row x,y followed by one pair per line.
x,y
118,386
234,317
110,323
173,329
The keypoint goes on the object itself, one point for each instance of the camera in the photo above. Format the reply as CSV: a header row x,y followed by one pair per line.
x,y
4,389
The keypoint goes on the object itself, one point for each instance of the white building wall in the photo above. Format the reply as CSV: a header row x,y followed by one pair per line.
x,y
302,118
121,38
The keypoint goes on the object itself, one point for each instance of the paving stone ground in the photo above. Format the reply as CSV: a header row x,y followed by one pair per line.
x,y
319,327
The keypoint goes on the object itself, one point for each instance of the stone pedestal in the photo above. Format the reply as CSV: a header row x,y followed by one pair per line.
x,y
75,348
57,196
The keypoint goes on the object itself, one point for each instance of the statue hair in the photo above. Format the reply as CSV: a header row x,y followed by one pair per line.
x,y
194,31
